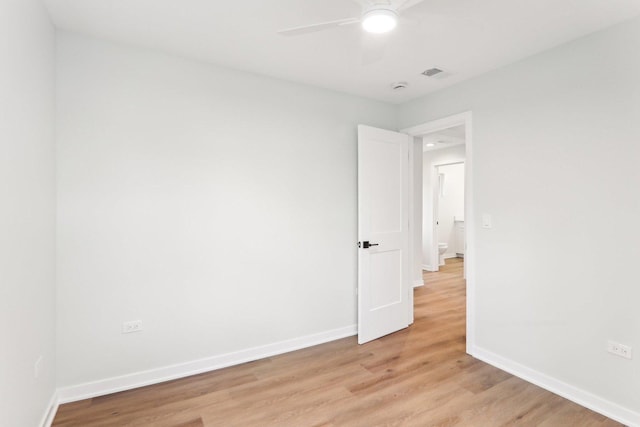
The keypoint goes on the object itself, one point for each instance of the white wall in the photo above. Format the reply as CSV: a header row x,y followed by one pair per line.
x,y
27,212
216,206
430,159
450,205
555,162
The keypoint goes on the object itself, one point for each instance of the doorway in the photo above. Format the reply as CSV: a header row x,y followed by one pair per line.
x,y
443,197
450,139
448,210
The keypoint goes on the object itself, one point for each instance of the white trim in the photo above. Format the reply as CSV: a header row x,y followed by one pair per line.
x,y
426,267
469,230
411,226
465,118
52,408
440,124
417,283
172,372
449,256
581,397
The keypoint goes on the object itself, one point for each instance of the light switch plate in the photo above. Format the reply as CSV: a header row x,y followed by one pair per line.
x,y
486,221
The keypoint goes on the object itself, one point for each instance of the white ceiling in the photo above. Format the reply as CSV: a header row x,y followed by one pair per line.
x,y
463,37
445,138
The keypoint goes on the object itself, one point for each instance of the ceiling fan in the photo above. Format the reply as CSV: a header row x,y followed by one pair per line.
x,y
378,16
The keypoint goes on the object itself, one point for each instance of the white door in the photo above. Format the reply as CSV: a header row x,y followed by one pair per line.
x,y
384,300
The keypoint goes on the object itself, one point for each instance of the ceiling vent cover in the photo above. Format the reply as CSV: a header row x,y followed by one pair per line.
x,y
431,72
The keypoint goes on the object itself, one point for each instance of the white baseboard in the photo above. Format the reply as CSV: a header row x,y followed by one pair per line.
x,y
172,372
575,394
448,256
50,413
417,283
426,267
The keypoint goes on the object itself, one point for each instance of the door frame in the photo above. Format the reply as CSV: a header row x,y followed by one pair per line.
x,y
466,119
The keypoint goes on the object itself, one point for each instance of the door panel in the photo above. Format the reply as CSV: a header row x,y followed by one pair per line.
x,y
385,162
386,288
383,216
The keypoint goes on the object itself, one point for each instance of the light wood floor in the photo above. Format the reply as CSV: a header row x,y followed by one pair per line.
x,y
417,377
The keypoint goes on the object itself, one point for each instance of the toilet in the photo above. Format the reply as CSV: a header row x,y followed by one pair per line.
x,y
442,248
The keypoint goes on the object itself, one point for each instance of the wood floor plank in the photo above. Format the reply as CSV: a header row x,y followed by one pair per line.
x,y
420,376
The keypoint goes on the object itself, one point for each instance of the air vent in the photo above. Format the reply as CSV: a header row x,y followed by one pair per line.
x,y
432,72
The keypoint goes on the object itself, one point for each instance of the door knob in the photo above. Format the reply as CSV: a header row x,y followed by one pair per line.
x,y
366,244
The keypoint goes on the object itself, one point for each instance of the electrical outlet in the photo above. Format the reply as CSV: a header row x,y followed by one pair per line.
x,y
619,349
131,326
37,368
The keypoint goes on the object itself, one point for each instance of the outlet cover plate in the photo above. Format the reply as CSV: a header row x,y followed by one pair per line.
x,y
131,326
619,349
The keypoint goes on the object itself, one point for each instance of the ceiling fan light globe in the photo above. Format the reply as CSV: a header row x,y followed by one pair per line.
x,y
379,21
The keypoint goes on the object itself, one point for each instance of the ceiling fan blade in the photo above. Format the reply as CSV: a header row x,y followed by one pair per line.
x,y
406,4
369,3
318,27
